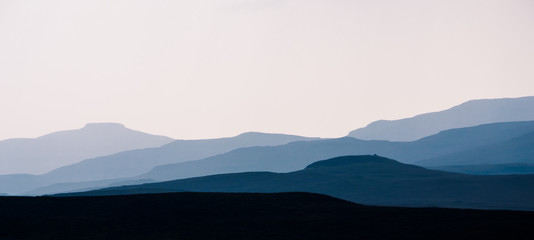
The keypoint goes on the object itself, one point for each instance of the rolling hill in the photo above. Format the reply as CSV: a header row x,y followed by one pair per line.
x,y
48,152
366,179
282,158
489,169
297,155
134,162
471,113
516,150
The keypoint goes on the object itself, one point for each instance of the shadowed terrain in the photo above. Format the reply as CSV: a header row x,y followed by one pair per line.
x,y
245,216
367,179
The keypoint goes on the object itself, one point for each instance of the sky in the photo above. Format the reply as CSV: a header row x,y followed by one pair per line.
x,y
215,68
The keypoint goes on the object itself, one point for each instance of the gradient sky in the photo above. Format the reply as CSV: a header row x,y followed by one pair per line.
x,y
203,69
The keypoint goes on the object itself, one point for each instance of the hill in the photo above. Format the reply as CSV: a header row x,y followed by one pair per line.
x,y
245,216
45,153
134,162
368,179
282,158
489,169
471,113
297,155
516,150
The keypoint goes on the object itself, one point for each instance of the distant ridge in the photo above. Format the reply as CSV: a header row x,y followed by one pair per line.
x,y
131,163
104,126
471,113
516,150
367,179
297,155
282,158
57,149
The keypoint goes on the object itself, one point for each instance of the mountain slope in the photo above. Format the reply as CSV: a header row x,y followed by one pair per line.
x,y
43,154
283,158
132,163
364,179
489,169
245,216
297,155
516,150
468,114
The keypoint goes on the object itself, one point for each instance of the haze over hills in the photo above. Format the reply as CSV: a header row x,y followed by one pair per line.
x,y
297,155
488,169
48,152
471,113
363,179
516,150
134,162
282,158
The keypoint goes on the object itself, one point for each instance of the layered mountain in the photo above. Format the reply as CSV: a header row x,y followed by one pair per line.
x,y
134,162
471,113
282,158
48,152
297,155
516,150
366,179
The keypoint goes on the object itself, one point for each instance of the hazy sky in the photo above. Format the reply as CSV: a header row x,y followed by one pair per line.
x,y
202,69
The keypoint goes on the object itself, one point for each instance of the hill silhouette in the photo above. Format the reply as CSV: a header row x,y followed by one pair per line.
x,y
297,155
293,156
245,216
45,153
489,169
134,162
367,179
116,169
471,113
516,150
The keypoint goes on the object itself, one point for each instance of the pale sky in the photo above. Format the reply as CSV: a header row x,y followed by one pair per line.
x,y
204,69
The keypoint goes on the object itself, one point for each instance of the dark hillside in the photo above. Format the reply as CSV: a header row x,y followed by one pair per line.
x,y
245,216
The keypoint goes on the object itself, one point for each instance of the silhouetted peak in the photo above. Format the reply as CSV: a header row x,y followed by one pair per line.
x,y
248,134
103,126
350,160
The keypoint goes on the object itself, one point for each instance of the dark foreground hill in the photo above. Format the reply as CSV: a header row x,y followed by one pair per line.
x,y
245,216
366,179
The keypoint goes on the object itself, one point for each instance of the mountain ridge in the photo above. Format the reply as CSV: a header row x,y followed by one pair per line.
x,y
467,114
45,153
135,162
367,179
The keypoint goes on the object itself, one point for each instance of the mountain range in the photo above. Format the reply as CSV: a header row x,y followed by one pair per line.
x,y
134,162
496,148
297,155
368,179
516,150
280,158
468,114
48,152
